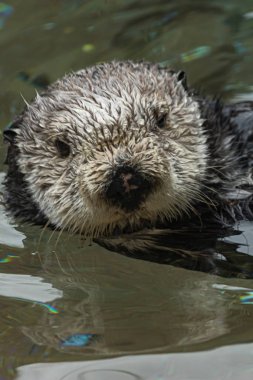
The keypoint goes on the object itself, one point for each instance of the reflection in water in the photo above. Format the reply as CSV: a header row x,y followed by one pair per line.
x,y
227,363
197,249
115,305
27,288
247,298
78,340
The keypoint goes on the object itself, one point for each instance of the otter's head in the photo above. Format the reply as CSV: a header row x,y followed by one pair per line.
x,y
113,145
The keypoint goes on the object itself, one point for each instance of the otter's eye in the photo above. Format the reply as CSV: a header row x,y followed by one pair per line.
x,y
161,120
62,148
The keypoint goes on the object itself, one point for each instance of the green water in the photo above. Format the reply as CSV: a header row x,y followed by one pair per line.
x,y
128,306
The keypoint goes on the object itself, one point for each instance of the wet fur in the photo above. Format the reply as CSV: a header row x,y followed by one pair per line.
x,y
201,161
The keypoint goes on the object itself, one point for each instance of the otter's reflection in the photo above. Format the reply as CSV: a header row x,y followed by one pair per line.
x,y
113,305
204,250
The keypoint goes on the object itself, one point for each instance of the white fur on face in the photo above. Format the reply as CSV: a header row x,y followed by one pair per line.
x,y
106,114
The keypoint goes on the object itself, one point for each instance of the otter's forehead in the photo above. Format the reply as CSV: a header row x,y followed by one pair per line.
x,y
89,109
115,77
105,95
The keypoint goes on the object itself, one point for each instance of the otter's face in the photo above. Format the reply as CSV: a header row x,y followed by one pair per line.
x,y
114,145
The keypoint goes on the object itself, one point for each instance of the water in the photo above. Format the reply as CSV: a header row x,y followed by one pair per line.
x,y
68,302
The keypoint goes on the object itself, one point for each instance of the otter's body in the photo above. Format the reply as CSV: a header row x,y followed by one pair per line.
x,y
126,144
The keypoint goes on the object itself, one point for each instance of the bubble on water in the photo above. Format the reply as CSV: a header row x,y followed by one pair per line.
x,y
87,48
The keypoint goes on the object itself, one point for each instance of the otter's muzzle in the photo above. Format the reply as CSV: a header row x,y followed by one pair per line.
x,y
128,188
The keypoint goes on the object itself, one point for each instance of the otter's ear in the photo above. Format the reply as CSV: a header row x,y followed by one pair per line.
x,y
10,133
181,77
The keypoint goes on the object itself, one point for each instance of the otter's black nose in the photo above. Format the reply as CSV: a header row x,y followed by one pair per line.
x,y
128,188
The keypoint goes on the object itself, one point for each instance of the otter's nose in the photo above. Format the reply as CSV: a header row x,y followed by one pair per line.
x,y
128,188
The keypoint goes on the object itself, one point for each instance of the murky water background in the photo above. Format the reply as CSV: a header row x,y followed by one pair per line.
x,y
64,300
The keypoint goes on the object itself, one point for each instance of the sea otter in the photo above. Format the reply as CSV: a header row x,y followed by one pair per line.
x,y
124,145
